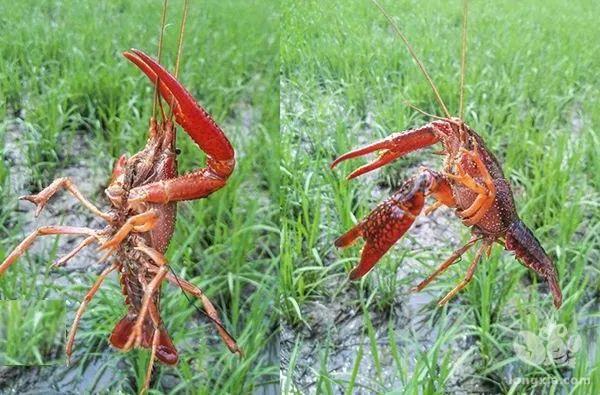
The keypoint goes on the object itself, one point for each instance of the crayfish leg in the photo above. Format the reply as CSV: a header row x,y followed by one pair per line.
x,y
486,194
445,265
40,199
88,297
42,231
155,341
160,341
468,277
143,222
210,310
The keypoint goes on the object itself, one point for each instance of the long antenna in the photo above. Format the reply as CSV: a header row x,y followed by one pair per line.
x,y
160,43
180,42
409,104
463,63
186,5
414,56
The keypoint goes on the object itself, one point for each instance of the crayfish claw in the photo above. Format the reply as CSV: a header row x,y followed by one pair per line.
x,y
387,223
391,148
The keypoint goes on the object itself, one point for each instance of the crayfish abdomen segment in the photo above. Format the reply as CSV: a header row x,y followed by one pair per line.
x,y
530,253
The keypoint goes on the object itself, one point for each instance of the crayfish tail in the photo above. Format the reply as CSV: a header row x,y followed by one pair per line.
x,y
120,334
165,350
531,254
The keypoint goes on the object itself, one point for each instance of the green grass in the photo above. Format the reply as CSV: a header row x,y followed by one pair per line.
x,y
62,74
31,333
531,94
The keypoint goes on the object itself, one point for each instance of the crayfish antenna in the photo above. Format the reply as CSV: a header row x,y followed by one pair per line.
x,y
413,54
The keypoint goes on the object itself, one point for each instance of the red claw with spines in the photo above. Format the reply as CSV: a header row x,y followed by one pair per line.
x,y
200,126
193,118
386,224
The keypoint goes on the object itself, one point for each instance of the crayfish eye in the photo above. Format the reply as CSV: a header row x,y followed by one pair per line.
x,y
177,151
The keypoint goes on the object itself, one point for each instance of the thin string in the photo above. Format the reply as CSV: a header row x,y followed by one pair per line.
x,y
198,309
180,42
179,47
409,104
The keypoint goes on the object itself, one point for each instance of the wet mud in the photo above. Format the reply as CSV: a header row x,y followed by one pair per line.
x,y
339,322
62,209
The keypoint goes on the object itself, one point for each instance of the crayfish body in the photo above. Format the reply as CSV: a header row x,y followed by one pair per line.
x,y
143,193
472,183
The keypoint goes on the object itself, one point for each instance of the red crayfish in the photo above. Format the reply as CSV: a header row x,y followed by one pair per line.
x,y
471,182
143,193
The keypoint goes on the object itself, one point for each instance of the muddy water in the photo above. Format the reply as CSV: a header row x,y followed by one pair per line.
x,y
58,379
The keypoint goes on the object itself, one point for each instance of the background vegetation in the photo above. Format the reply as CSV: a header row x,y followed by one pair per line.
x,y
64,84
532,95
31,335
